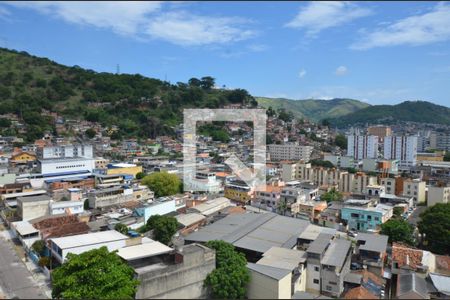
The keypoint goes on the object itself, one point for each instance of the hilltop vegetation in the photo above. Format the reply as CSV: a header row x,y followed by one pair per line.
x,y
312,109
139,106
412,111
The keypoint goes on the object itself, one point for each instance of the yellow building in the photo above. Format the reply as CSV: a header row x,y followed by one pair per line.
x,y
122,168
22,158
239,192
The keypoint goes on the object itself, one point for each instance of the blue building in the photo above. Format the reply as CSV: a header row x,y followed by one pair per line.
x,y
366,218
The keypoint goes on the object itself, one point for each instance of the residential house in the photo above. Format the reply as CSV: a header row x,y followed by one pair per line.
x,y
364,219
371,251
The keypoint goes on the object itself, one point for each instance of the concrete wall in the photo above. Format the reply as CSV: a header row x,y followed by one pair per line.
x,y
312,274
183,280
33,210
265,287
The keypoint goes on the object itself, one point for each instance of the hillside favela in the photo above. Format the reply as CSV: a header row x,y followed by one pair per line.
x,y
224,150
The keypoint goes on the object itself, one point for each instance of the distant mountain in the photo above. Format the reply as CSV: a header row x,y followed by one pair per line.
x,y
412,111
314,109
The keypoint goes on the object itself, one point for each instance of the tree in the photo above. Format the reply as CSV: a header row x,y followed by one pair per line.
x,y
122,228
207,82
140,175
435,225
90,133
398,230
194,82
38,247
332,195
44,261
231,276
341,141
162,183
398,211
447,156
95,274
164,227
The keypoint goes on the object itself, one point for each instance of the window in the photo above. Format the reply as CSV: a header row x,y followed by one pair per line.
x,y
316,281
377,219
332,283
328,288
369,217
316,269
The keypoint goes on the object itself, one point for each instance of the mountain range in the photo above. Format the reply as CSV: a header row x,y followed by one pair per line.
x,y
349,112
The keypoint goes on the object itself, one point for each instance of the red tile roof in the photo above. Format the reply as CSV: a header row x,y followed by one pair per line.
x,y
405,255
359,293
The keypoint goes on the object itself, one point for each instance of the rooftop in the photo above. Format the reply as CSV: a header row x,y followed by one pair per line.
x,y
312,231
24,227
189,219
373,242
89,239
411,282
34,198
151,248
336,253
273,272
319,245
257,232
441,283
283,258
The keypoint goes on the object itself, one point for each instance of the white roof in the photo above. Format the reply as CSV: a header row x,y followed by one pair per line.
x,y
212,206
143,250
89,239
124,165
441,283
189,219
282,258
24,227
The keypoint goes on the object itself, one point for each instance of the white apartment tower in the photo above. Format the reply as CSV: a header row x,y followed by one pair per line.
x,y
401,147
362,146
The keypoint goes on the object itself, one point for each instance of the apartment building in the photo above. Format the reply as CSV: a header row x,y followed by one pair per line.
x,y
393,185
380,131
239,191
118,195
328,261
290,151
438,195
440,140
362,146
415,188
403,148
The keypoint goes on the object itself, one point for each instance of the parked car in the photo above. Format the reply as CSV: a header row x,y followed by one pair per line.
x,y
355,266
352,234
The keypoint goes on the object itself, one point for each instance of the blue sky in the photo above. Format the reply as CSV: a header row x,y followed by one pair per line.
x,y
378,52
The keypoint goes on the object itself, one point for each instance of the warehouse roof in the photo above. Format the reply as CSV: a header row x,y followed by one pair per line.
x,y
257,232
189,219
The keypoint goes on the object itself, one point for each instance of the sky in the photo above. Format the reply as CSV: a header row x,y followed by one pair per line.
x,y
377,52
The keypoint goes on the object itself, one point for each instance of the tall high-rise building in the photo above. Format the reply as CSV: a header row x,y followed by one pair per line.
x,y
401,147
380,131
362,146
440,141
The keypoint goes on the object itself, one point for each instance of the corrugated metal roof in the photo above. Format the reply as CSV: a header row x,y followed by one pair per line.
x,y
373,242
441,283
257,232
275,273
336,253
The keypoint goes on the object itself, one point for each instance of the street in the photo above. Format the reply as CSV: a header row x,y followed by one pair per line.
x,y
15,279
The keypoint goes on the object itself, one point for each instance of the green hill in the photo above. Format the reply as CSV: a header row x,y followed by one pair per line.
x,y
314,109
139,106
412,111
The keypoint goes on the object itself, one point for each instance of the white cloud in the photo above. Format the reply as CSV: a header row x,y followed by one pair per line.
x,y
4,13
121,17
190,30
341,71
302,73
430,27
319,15
146,20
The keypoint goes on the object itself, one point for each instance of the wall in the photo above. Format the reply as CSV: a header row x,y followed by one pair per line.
x,y
33,210
126,170
183,280
265,287
159,208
